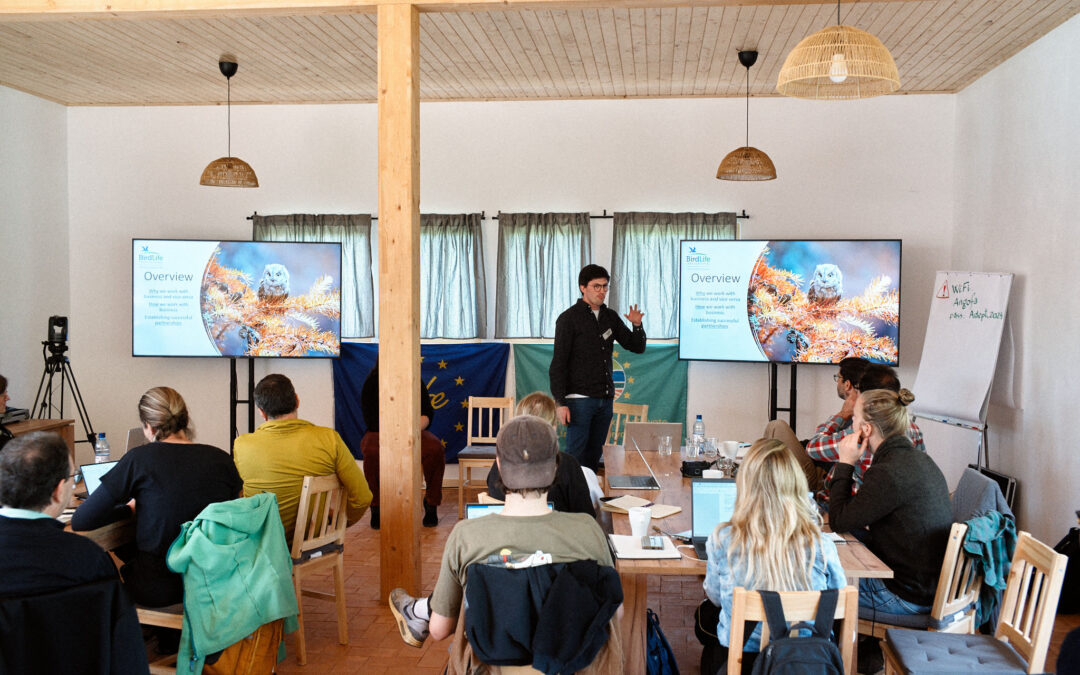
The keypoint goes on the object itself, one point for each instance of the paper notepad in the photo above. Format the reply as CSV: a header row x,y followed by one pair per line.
x,y
628,547
626,502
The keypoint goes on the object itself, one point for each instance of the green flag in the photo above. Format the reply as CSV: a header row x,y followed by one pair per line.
x,y
656,378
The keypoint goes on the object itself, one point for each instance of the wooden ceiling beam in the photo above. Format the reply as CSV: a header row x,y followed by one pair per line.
x,y
66,10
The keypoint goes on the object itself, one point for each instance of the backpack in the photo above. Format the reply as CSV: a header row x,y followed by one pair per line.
x,y
802,655
659,658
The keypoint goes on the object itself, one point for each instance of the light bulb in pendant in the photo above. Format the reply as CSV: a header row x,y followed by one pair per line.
x,y
838,71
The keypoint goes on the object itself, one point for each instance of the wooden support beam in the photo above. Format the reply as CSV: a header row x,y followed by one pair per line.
x,y
399,296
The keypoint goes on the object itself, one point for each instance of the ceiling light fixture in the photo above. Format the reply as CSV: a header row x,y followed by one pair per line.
x,y
746,163
838,63
229,171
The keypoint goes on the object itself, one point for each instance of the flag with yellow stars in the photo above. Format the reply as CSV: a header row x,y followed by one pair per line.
x,y
451,372
657,378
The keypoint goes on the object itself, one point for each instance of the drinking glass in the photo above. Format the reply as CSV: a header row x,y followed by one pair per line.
x,y
665,445
710,448
692,449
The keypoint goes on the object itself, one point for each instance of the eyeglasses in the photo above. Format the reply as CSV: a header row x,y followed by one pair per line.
x,y
836,377
75,476
599,287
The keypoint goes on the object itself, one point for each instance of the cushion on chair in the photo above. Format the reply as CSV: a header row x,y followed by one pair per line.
x,y
922,652
477,452
917,621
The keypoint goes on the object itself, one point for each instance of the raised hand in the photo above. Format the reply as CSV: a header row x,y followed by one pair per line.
x,y
635,315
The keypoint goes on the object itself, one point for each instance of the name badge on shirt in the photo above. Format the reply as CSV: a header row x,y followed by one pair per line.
x,y
607,334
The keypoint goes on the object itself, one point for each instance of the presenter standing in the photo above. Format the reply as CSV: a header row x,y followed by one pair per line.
x,y
580,371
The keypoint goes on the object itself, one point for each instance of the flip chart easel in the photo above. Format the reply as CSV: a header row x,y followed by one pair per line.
x,y
960,352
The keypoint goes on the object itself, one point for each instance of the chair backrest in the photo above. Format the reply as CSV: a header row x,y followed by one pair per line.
x,y
486,416
320,518
977,493
798,606
621,413
1031,597
958,585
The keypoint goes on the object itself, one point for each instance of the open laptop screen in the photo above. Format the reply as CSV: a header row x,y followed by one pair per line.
x,y
712,502
92,473
478,510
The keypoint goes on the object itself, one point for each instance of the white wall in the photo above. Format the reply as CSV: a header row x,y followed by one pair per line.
x,y
880,168
33,237
1017,205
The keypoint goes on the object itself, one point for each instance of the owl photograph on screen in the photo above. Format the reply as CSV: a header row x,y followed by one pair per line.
x,y
251,308
815,321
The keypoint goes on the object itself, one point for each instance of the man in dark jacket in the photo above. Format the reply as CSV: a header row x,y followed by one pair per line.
x,y
60,592
580,371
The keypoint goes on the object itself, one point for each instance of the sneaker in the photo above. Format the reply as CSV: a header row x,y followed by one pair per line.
x,y
413,629
431,515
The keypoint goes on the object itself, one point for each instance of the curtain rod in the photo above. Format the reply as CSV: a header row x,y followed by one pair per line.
x,y
604,216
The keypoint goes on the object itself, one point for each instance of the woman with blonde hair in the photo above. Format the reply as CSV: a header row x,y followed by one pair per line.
x,y
773,541
164,484
902,512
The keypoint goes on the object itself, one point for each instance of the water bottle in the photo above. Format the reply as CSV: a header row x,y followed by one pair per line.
x,y
101,449
697,440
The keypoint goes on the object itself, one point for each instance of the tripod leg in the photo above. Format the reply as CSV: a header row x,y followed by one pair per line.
x,y
80,406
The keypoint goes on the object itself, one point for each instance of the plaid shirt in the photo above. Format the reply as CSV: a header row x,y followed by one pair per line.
x,y
824,444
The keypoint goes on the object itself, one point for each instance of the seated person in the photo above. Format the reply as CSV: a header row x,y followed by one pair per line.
x,y
903,504
525,453
571,492
432,453
284,449
5,434
773,542
39,557
164,483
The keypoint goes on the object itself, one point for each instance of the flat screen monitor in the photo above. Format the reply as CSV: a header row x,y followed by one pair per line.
x,y
235,298
788,301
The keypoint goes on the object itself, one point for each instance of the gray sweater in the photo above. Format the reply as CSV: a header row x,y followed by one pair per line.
x,y
904,502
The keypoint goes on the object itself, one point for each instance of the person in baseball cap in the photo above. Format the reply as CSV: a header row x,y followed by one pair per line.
x,y
525,451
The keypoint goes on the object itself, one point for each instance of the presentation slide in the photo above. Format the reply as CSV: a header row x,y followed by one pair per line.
x,y
789,301
235,298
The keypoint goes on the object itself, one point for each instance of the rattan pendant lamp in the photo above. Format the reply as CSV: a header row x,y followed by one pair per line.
x,y
838,63
746,163
229,171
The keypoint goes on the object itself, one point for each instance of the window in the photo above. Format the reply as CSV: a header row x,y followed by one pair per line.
x,y
453,294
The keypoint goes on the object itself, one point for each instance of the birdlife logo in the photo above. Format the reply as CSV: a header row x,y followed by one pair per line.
x,y
148,257
695,258
618,377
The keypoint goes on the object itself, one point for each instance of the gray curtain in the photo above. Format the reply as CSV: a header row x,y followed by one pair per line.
x,y
540,255
453,292
645,262
353,232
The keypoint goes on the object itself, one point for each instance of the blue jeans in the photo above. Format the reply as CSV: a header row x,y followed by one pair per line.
x,y
874,594
588,429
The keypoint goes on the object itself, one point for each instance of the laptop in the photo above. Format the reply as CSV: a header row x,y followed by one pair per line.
x,y
92,473
635,482
647,434
480,510
135,438
712,501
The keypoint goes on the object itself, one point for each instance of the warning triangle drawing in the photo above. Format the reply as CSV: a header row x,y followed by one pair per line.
x,y
943,294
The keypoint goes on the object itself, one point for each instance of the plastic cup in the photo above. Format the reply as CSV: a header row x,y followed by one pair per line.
x,y
664,447
731,449
710,449
640,516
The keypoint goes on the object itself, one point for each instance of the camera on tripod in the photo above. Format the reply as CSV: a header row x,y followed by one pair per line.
x,y
57,334
56,363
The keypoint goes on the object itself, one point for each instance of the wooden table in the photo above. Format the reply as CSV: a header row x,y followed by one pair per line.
x,y
856,559
66,429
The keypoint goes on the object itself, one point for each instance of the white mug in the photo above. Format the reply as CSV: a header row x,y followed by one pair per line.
x,y
731,449
639,520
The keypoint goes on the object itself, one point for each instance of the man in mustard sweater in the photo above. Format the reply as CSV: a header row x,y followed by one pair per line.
x,y
276,456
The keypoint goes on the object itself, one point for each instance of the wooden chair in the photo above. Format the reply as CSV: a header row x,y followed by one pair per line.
x,y
955,602
486,416
1023,631
798,606
319,542
162,617
621,413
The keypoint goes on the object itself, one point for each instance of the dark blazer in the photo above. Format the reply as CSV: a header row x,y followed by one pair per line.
x,y
904,503
581,360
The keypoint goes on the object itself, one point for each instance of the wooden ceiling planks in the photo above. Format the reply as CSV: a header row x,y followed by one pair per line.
x,y
324,53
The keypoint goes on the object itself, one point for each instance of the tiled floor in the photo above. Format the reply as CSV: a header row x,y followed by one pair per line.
x,y
375,646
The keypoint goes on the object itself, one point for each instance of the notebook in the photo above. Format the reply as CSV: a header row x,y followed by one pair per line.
x,y
480,510
712,501
92,473
647,435
635,482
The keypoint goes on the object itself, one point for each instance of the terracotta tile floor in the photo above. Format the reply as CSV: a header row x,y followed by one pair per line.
x,y
375,646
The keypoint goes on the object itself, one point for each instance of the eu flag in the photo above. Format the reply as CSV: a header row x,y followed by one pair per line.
x,y
452,373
